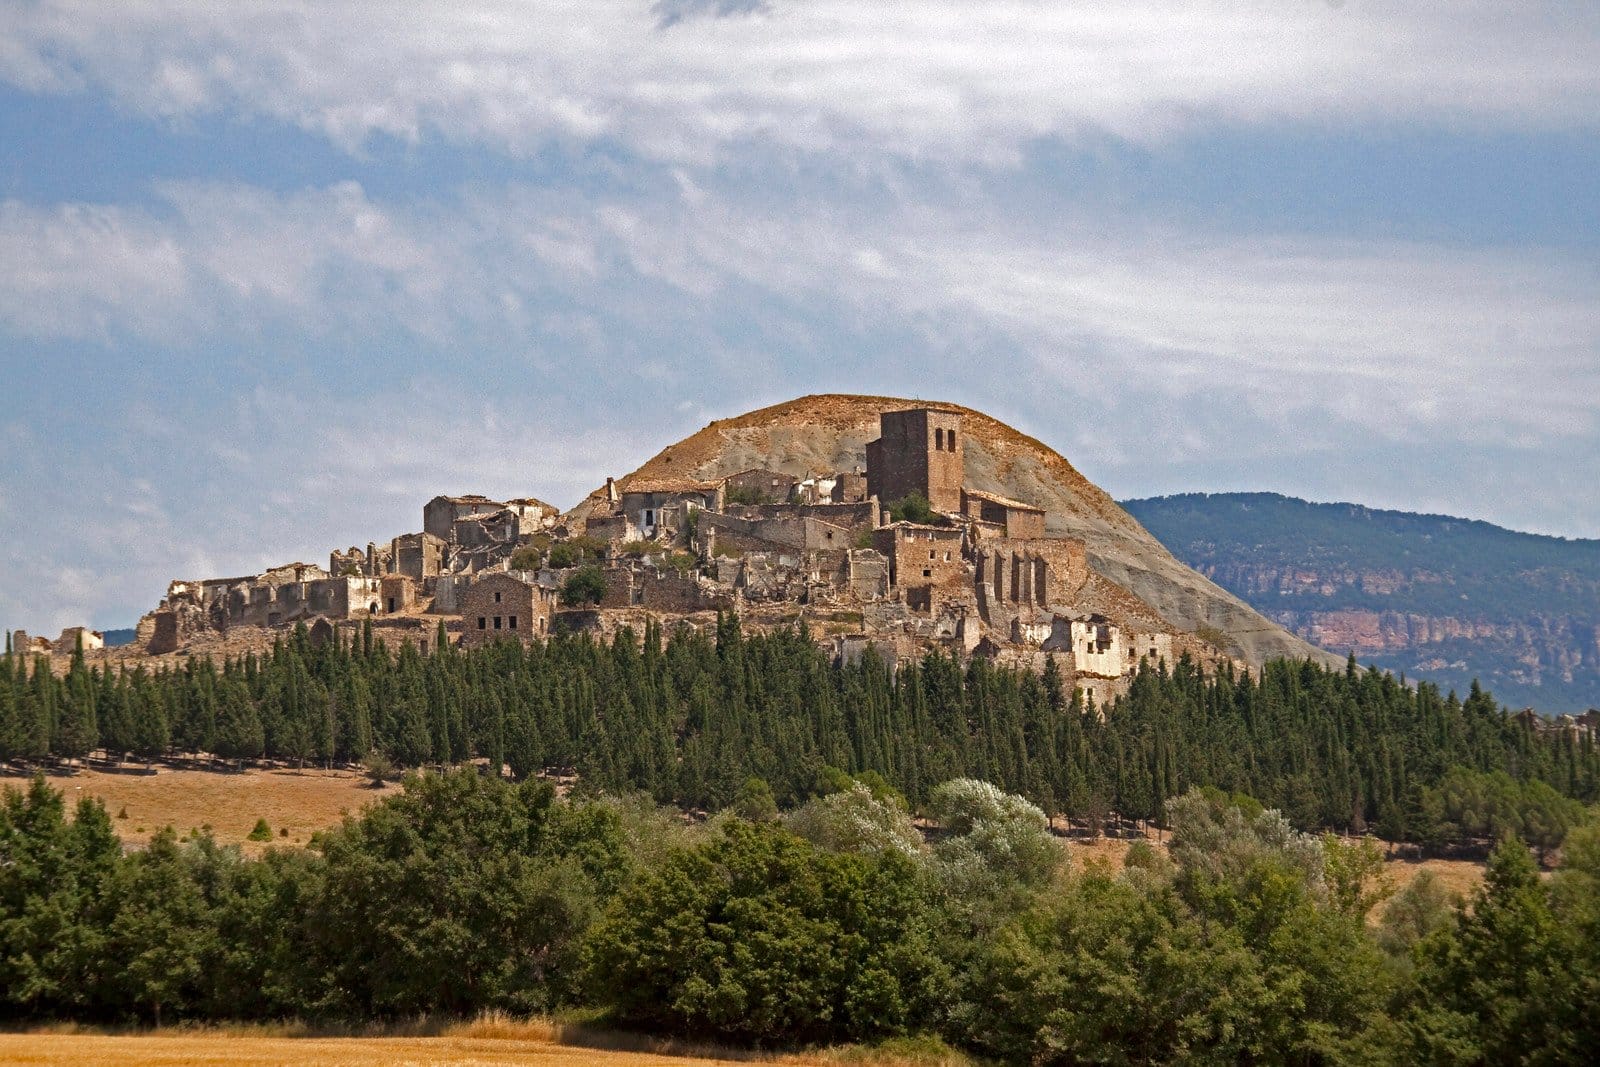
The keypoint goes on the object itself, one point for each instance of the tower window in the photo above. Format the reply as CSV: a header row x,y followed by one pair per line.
x,y
950,439
938,440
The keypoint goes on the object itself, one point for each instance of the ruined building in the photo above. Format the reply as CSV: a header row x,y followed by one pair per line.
x,y
980,577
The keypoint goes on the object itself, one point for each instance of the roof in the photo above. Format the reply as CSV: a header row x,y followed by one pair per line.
x,y
902,524
1005,502
470,498
670,485
527,501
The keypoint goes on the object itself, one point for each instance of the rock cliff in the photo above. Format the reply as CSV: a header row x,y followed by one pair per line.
x,y
1446,599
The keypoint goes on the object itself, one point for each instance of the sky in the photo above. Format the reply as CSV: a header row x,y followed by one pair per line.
x,y
274,274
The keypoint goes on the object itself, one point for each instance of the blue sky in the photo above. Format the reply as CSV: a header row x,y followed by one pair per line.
x,y
271,275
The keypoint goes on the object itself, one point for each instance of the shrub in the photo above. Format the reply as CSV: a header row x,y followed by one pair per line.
x,y
587,585
527,558
261,832
761,937
913,507
379,768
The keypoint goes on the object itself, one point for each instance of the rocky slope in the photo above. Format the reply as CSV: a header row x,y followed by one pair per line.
x,y
1436,597
826,433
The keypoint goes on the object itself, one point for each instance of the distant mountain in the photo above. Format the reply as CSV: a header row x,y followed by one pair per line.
x,y
119,637
1440,598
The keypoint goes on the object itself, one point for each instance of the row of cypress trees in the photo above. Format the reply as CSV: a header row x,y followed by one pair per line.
x,y
690,717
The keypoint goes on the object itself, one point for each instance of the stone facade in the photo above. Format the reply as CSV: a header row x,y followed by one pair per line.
x,y
850,488
418,555
504,604
397,593
440,514
643,502
759,486
1016,520
919,450
926,565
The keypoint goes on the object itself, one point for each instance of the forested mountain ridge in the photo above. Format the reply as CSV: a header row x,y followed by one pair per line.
x,y
1436,597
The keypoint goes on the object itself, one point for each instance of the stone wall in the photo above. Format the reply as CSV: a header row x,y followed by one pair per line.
x,y
501,604
765,486
925,563
850,488
418,555
853,517
919,450
397,593
440,514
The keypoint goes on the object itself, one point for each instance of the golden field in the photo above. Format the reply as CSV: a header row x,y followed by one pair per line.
x,y
302,802
230,803
492,1039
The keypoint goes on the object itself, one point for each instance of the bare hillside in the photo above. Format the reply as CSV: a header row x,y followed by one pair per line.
x,y
829,432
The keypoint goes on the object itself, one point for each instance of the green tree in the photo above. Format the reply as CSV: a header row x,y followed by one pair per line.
x,y
760,937
586,585
1491,989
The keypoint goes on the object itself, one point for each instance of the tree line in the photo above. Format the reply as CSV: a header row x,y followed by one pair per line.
x,y
1243,942
689,717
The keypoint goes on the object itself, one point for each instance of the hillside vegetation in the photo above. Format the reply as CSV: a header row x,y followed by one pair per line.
x,y
1436,597
689,717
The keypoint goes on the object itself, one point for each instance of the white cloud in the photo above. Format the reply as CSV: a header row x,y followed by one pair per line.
x,y
923,78
1395,339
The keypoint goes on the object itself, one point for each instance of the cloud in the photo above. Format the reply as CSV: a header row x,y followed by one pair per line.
x,y
936,79
1395,339
280,475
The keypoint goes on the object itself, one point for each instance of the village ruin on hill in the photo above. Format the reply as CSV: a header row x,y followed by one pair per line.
x,y
900,558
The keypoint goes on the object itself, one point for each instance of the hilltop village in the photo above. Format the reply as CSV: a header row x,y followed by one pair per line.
x,y
901,557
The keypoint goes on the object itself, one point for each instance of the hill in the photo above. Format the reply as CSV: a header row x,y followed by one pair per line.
x,y
830,433
1437,597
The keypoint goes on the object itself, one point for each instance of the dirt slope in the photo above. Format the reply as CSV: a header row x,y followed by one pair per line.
x,y
829,432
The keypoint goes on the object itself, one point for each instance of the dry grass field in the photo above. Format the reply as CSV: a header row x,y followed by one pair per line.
x,y
489,1040
292,801
304,802
149,1050
1456,876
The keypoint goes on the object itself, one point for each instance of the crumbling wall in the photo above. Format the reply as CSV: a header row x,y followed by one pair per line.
x,y
863,515
926,566
850,488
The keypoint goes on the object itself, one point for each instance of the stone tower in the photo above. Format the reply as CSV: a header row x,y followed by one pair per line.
x,y
918,450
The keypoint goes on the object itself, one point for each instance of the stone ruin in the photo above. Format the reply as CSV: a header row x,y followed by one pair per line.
x,y
980,577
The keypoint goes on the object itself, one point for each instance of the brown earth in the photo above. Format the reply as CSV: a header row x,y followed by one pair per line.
x,y
1459,877
295,804
489,1040
826,433
190,1050
302,803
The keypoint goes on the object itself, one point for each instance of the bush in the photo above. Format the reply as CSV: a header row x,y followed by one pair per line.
x,y
527,558
913,507
575,551
261,832
761,937
587,585
379,768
